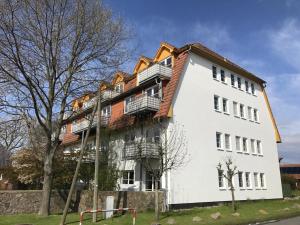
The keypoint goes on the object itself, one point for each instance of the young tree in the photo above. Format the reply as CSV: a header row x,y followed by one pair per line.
x,y
168,153
228,173
51,52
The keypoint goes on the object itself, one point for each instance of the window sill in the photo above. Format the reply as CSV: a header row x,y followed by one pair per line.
x,y
229,150
241,89
251,121
218,111
220,149
239,152
253,153
234,86
216,79
224,82
255,95
222,188
243,118
249,188
242,189
257,122
236,116
246,153
260,155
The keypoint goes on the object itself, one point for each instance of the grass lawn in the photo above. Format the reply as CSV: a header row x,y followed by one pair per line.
x,y
249,212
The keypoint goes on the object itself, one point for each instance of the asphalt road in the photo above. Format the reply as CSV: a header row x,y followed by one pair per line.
x,y
291,221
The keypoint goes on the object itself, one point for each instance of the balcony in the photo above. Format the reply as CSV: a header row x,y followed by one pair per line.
x,y
83,125
154,71
89,104
143,103
109,94
141,150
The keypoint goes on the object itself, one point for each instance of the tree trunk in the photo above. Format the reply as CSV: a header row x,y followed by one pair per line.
x,y
98,141
156,203
232,198
46,194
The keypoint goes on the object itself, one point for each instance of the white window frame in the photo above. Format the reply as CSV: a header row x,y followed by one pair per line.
x,y
164,62
238,147
119,87
223,81
262,181
253,146
227,142
239,84
250,113
245,145
226,111
253,89
106,111
232,78
152,88
256,180
248,183
242,111
216,72
246,86
217,109
220,141
241,175
259,147
130,98
221,180
235,109
130,181
255,115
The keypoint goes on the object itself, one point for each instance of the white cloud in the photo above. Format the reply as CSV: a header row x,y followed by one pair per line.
x,y
285,41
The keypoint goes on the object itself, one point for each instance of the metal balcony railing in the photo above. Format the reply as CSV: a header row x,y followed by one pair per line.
x,y
141,150
84,124
89,104
142,104
153,71
109,94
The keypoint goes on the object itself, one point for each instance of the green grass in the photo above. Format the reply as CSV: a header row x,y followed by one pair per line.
x,y
249,212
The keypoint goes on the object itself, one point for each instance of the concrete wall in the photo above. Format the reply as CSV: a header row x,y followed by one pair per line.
x,y
17,202
194,108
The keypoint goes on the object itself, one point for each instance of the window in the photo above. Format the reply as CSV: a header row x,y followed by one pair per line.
x,y
150,181
153,135
129,137
227,141
249,113
128,177
239,83
223,76
119,87
252,89
153,91
240,176
262,180
238,143
126,103
166,62
258,147
214,72
232,80
219,140
247,180
235,108
242,110
106,111
221,179
246,86
255,115
225,105
216,103
252,146
255,176
245,147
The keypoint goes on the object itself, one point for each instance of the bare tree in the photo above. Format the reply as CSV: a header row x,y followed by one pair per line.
x,y
168,153
228,173
12,134
52,51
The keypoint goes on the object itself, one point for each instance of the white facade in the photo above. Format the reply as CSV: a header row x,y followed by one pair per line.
x,y
193,107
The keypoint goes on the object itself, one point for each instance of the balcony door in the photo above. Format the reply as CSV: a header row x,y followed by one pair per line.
x,y
153,91
150,182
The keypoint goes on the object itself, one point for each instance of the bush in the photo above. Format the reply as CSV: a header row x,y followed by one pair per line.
x,y
287,179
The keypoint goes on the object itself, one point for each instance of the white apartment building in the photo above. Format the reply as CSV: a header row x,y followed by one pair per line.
x,y
225,113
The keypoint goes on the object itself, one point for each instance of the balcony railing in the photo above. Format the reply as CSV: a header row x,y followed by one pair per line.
x,y
142,104
153,71
89,104
83,125
141,150
109,94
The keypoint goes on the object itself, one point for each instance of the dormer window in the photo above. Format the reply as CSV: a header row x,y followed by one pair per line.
x,y
166,62
153,91
119,87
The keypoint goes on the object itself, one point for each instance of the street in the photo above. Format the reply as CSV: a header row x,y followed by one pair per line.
x,y
291,221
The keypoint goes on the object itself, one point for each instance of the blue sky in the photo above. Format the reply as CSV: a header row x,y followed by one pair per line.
x,y
263,36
